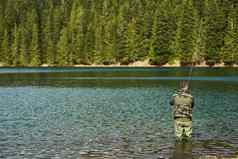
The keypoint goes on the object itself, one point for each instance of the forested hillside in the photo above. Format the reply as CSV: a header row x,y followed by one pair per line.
x,y
68,32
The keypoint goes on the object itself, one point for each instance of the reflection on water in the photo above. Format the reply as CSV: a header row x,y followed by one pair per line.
x,y
180,150
183,150
114,113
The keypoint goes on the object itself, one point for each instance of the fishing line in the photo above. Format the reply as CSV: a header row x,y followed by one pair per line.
x,y
191,71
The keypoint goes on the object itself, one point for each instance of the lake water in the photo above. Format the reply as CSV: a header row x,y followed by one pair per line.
x,y
81,113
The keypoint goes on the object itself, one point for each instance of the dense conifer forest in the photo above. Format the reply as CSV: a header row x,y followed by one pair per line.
x,y
69,32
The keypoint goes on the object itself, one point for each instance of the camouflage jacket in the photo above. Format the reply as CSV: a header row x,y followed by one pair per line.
x,y
182,105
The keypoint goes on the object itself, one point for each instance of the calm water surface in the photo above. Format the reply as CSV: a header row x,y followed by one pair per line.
x,y
72,113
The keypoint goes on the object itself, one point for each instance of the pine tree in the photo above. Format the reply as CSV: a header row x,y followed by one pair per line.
x,y
153,38
230,49
75,33
199,5
108,34
5,49
199,50
50,52
130,43
34,47
2,24
22,59
87,34
108,51
163,35
215,32
56,28
63,48
15,46
10,15
30,29
143,28
48,45
99,36
117,31
186,33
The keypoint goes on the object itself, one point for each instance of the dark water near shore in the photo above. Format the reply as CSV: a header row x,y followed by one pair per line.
x,y
72,113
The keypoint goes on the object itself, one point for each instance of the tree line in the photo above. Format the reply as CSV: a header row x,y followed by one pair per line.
x,y
69,32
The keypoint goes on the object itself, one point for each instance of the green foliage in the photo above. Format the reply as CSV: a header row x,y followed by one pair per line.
x,y
15,46
130,43
186,33
47,43
5,51
163,33
215,31
63,48
69,32
22,60
230,49
34,47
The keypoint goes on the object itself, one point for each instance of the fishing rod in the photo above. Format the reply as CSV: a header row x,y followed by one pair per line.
x,y
191,70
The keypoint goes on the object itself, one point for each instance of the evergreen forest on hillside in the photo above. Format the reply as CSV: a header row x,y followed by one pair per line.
x,y
70,32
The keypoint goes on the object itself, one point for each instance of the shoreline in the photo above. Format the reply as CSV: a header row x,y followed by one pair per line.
x,y
137,64
122,66
145,66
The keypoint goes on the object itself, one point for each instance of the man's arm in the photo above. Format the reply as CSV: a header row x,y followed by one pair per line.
x,y
192,102
171,101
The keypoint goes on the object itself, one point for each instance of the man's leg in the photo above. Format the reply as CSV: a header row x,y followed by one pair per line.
x,y
178,129
188,128
183,128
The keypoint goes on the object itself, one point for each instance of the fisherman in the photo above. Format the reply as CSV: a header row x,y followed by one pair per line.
x,y
182,103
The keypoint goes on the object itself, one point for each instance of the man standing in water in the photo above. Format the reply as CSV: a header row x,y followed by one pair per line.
x,y
182,103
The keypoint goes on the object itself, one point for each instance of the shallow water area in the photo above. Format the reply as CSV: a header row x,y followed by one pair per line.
x,y
72,113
